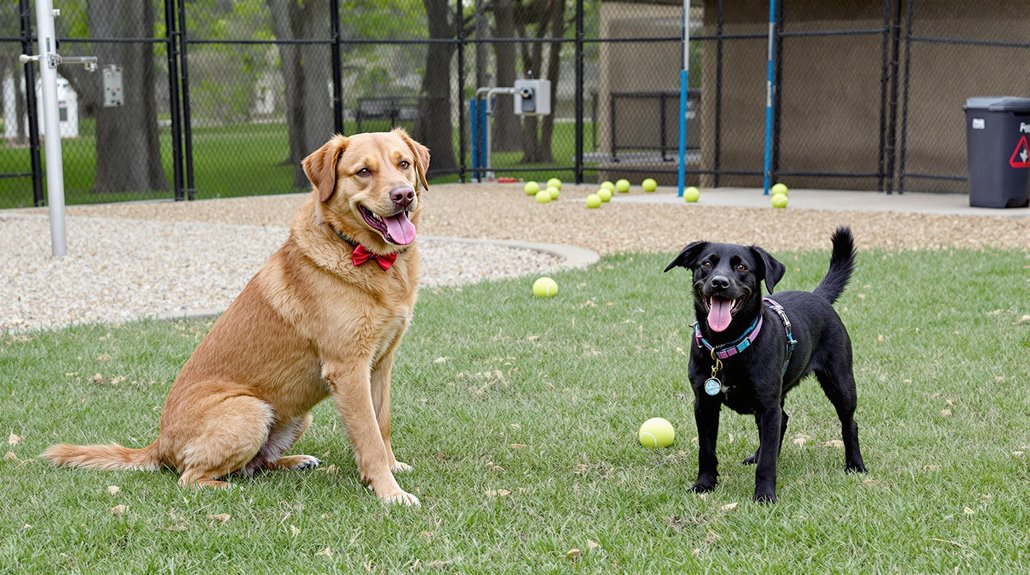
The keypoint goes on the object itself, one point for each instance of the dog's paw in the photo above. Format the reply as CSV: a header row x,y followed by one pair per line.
x,y
401,498
765,497
702,486
751,459
855,467
400,467
298,462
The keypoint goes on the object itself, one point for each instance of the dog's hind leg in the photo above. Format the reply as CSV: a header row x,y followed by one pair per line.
x,y
838,384
230,434
280,439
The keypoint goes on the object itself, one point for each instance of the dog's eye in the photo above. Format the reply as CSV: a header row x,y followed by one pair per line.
x,y
364,172
706,265
405,164
741,268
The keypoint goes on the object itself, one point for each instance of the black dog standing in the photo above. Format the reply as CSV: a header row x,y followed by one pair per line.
x,y
749,351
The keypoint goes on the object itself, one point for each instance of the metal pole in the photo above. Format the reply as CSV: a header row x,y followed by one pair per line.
x,y
31,110
173,98
580,78
904,101
187,122
717,160
48,60
681,171
334,27
767,165
460,34
884,78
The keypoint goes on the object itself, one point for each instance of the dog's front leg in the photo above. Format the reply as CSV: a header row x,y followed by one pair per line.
x,y
381,376
769,421
706,416
350,387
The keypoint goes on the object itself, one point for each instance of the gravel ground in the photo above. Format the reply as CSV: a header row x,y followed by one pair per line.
x,y
167,259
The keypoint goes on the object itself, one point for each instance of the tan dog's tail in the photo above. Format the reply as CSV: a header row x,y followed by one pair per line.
x,y
105,457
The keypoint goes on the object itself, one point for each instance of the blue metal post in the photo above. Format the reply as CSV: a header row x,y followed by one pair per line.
x,y
770,67
681,172
474,130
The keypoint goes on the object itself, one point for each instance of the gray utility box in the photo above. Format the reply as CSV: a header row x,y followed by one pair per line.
x,y
997,136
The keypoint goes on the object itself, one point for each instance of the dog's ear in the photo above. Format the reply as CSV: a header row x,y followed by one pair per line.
x,y
421,156
320,166
687,258
772,270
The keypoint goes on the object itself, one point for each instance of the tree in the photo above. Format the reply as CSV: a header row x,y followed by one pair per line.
x,y
505,136
128,151
433,127
307,77
536,140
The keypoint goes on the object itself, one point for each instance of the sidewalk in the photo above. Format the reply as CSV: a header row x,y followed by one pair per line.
x,y
909,202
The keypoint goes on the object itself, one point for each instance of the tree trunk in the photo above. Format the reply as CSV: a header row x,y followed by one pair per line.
x,y
309,114
128,150
557,16
505,135
434,128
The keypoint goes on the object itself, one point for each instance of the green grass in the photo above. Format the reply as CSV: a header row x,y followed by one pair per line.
x,y
523,441
229,161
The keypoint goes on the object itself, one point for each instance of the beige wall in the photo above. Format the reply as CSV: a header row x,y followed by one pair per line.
x,y
831,85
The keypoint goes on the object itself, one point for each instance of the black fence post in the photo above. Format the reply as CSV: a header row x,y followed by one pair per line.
x,y
580,79
334,26
892,131
904,104
718,95
171,41
187,122
459,23
30,104
884,79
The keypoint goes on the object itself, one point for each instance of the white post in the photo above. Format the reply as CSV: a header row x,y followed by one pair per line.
x,y
48,60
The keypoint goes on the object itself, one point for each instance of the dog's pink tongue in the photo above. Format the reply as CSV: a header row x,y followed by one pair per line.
x,y
719,315
400,228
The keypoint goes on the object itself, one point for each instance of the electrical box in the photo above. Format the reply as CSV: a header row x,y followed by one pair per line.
x,y
533,97
113,94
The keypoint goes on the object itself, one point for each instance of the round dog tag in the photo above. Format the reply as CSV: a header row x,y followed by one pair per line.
x,y
712,386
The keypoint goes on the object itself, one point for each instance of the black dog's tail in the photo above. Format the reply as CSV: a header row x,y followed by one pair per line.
x,y
842,263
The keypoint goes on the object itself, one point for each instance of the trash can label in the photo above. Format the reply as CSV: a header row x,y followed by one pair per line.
x,y
1021,156
978,123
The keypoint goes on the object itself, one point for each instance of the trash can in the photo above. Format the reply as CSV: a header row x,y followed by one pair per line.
x,y
997,148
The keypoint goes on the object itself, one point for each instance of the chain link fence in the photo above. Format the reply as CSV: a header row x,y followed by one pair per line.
x,y
211,99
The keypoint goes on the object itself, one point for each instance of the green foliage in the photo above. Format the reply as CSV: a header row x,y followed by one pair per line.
x,y
519,415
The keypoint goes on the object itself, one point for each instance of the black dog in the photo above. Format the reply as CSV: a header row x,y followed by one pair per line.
x,y
748,353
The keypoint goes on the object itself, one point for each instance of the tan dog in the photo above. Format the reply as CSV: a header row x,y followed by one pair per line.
x,y
322,318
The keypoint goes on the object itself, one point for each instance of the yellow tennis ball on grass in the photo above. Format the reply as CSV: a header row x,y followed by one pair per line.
x,y
622,186
691,194
605,194
649,185
779,200
656,432
543,196
531,188
545,287
778,188
554,183
594,201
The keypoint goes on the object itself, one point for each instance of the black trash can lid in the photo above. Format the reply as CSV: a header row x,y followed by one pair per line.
x,y
998,104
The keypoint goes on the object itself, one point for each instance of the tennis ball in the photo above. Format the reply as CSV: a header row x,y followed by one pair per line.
x,y
605,194
545,287
608,186
554,183
554,192
543,196
691,194
779,200
656,432
622,186
531,188
594,201
649,185
778,189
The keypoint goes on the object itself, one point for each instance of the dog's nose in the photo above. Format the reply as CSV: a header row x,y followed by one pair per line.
x,y
402,196
720,282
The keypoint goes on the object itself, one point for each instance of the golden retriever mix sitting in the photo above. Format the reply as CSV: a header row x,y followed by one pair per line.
x,y
322,318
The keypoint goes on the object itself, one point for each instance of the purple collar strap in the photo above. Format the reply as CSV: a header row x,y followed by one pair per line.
x,y
728,350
